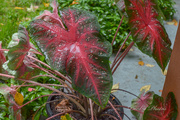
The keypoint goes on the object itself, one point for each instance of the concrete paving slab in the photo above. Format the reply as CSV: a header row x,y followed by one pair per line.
x,y
132,76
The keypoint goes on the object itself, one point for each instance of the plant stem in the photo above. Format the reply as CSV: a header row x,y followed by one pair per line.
x,y
4,49
86,106
114,109
91,108
64,113
36,85
36,99
52,76
123,107
115,59
109,115
5,75
128,92
55,90
58,73
36,51
117,30
122,57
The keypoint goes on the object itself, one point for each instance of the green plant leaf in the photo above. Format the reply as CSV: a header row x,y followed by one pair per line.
x,y
160,109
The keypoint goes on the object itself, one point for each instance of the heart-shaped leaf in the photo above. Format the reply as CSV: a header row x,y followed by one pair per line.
x,y
149,35
80,51
18,60
160,109
17,53
141,104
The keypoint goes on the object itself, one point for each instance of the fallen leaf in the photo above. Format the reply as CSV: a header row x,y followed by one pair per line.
x,y
165,72
31,89
115,86
145,88
173,22
46,4
18,8
18,97
170,23
136,77
149,65
141,63
131,50
160,90
74,2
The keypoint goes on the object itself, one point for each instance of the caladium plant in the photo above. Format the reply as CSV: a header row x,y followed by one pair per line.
x,y
78,55
78,51
149,35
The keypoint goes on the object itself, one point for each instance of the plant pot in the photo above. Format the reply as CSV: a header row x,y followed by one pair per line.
x,y
50,108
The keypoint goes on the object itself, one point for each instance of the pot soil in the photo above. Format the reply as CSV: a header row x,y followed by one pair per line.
x,y
53,101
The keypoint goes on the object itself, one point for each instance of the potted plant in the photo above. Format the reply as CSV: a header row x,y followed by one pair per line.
x,y
77,56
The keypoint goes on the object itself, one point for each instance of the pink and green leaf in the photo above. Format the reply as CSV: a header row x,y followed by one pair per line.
x,y
160,109
141,104
17,55
149,35
79,51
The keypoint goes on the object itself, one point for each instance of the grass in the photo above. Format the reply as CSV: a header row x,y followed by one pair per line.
x,y
14,12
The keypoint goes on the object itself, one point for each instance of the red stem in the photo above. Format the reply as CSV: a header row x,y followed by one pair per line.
x,y
117,30
91,108
109,115
58,73
5,75
36,99
4,49
115,59
122,57
123,107
114,109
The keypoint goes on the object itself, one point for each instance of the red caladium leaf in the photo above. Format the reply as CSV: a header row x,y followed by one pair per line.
x,y
17,55
149,35
80,51
9,94
160,109
2,61
51,17
141,104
